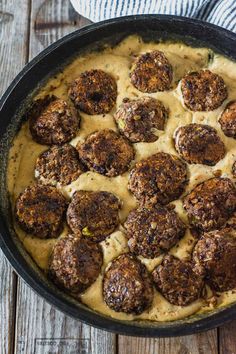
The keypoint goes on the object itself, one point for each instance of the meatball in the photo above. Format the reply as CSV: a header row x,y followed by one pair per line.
x,y
160,178
228,120
75,263
211,203
94,92
152,72
59,164
215,257
52,121
203,90
127,286
106,152
199,143
94,214
177,282
138,119
40,211
151,232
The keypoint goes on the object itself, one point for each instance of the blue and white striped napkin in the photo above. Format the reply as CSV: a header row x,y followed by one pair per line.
x,y
219,12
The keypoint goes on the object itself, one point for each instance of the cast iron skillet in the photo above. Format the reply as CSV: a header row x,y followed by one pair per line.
x,y
12,106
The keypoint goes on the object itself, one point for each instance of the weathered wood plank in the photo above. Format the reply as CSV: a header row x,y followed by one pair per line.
x,y
40,328
13,39
7,306
50,20
227,338
203,343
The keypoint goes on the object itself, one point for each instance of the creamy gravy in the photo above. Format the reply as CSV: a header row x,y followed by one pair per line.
x,y
117,61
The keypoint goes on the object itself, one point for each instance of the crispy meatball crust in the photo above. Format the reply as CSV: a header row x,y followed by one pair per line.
x,y
138,119
211,203
40,211
53,121
106,152
75,263
94,214
177,282
199,143
203,90
151,232
161,178
215,257
127,286
228,120
94,92
152,72
59,164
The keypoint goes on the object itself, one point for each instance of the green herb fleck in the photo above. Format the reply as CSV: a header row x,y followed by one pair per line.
x,y
87,232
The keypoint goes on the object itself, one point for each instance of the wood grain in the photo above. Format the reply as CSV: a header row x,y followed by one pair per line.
x,y
7,306
203,343
50,20
13,39
227,338
40,328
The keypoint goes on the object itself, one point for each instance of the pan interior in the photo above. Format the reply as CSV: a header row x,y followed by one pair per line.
x,y
12,123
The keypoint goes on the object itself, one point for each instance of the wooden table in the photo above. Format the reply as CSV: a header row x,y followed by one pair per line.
x,y
29,325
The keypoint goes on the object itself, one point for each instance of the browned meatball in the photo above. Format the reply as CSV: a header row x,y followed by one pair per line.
x,y
152,72
127,286
53,121
106,152
151,232
160,178
75,263
94,214
94,92
215,257
138,119
40,211
211,203
59,164
177,282
203,90
228,120
199,143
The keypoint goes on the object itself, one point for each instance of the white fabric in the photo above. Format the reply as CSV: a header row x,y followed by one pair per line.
x,y
219,12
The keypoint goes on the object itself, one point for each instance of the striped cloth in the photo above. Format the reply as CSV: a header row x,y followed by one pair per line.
x,y
219,12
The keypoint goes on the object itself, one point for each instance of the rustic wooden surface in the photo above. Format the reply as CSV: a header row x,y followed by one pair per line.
x,y
29,325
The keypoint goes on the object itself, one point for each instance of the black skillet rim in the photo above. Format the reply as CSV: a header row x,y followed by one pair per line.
x,y
165,329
